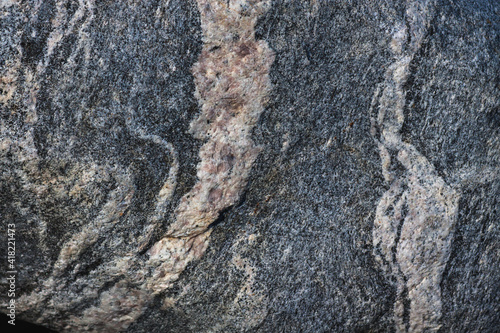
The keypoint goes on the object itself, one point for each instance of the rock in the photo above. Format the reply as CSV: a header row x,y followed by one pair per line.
x,y
251,165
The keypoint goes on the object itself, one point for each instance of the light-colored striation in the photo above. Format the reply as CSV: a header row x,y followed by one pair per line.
x,y
415,218
8,80
118,201
10,50
166,191
62,25
119,307
7,3
79,185
250,305
74,187
232,84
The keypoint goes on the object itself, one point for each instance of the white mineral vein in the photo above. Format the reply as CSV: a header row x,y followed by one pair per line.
x,y
415,218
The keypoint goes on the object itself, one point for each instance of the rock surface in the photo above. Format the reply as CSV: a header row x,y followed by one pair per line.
x,y
251,165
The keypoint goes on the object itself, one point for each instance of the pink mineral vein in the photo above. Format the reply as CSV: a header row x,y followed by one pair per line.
x,y
232,84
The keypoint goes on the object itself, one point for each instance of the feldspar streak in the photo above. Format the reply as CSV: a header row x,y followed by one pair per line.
x,y
232,83
415,218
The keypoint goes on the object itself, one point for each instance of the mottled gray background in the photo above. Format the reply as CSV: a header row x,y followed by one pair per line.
x,y
298,244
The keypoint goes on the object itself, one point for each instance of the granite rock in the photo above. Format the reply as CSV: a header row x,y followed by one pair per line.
x,y
251,165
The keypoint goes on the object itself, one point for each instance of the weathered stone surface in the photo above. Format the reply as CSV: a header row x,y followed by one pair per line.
x,y
251,165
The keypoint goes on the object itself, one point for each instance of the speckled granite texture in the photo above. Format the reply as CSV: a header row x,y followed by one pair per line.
x,y
251,165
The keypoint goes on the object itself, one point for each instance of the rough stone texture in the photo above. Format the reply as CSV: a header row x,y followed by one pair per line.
x,y
251,165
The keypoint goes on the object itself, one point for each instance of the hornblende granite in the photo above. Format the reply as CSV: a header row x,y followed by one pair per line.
x,y
251,165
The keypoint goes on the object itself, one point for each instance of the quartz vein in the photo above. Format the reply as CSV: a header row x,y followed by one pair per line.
x,y
415,218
